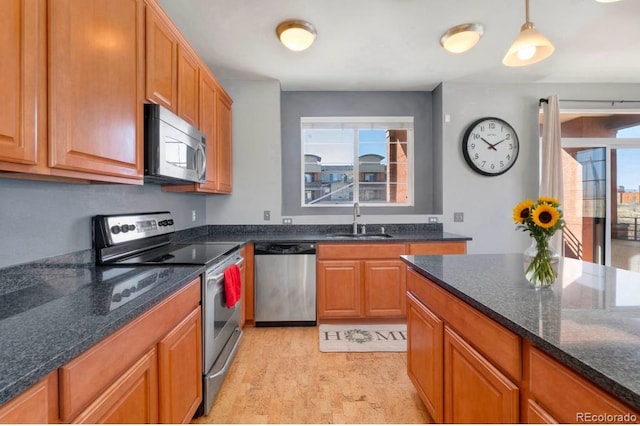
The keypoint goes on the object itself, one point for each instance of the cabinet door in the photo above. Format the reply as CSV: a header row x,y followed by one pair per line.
x,y
23,84
475,391
224,143
133,398
384,288
425,357
96,68
208,123
537,415
180,363
38,404
188,86
339,289
161,81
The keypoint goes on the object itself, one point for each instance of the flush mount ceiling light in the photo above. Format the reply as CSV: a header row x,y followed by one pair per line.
x,y
530,46
461,37
296,35
607,1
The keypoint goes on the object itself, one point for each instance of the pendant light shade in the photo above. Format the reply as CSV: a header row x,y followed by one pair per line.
x,y
529,47
296,35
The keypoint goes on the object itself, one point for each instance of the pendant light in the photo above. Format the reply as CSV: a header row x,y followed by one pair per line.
x,y
296,35
530,46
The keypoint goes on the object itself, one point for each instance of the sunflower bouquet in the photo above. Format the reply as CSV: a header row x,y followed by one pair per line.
x,y
541,219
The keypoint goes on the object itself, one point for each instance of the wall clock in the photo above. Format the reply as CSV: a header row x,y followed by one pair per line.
x,y
490,146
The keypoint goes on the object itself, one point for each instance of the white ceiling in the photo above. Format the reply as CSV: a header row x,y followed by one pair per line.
x,y
394,44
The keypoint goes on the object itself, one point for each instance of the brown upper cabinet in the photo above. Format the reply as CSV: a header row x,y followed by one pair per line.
x,y
75,78
161,61
72,105
178,79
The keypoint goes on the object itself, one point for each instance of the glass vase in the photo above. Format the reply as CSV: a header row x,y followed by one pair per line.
x,y
541,263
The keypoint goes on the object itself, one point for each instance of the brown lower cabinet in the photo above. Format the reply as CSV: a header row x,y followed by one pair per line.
x,y
361,281
149,371
469,369
368,280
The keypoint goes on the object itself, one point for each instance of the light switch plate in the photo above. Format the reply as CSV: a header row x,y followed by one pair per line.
x,y
458,217
267,215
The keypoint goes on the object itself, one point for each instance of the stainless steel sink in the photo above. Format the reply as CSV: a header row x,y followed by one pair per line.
x,y
361,236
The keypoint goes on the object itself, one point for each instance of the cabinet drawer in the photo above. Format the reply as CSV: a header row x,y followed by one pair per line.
x,y
82,379
457,247
493,340
565,395
361,251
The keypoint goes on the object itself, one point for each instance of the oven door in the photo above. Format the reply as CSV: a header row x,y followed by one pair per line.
x,y
219,322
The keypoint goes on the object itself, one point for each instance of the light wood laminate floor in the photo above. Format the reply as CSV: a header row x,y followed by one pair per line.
x,y
280,376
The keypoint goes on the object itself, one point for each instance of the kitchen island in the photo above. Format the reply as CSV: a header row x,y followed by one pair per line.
x,y
567,353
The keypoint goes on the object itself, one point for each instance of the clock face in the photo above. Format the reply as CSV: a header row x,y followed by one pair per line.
x,y
490,146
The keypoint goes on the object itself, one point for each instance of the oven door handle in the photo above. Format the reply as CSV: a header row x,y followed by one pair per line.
x,y
217,278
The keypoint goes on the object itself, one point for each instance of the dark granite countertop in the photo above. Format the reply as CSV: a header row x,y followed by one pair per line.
x,y
53,310
589,319
422,232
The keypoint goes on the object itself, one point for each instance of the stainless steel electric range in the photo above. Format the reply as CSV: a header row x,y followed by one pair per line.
x,y
147,239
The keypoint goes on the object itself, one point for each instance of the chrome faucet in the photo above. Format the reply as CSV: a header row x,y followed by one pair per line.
x,y
356,215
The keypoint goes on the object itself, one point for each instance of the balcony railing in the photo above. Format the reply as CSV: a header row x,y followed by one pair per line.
x,y
626,229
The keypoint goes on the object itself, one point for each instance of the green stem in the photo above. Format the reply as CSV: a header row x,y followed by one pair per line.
x,y
540,267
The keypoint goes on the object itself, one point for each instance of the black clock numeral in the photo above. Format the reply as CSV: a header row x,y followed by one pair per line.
x,y
492,126
501,163
493,166
476,156
473,146
508,156
483,163
508,136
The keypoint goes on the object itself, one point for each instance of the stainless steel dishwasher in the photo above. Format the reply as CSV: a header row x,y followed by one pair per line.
x,y
285,284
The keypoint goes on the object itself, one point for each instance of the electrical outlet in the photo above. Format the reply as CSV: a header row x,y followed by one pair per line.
x,y
193,215
433,219
458,217
267,215
287,221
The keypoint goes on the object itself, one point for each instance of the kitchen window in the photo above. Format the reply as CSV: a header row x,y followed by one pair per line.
x,y
368,160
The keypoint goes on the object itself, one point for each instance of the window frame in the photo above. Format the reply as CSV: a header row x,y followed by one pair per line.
x,y
361,123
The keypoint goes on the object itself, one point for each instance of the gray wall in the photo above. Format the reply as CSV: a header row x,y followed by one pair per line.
x,y
294,105
44,219
487,202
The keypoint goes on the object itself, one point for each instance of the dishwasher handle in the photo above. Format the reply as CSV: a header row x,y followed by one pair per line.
x,y
284,248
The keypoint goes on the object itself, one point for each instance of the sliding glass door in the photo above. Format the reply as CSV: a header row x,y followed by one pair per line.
x,y
601,164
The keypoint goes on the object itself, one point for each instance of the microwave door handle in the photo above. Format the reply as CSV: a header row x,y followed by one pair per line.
x,y
201,162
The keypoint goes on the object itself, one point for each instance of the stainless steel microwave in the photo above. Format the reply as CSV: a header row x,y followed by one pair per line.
x,y
174,150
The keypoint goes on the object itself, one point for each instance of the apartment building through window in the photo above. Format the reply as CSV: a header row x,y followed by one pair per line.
x,y
368,160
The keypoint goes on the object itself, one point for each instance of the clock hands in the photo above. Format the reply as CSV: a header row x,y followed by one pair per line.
x,y
490,145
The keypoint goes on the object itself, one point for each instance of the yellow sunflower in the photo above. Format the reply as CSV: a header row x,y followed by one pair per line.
x,y
522,211
548,200
545,216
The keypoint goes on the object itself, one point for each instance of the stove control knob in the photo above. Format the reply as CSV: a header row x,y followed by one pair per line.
x,y
162,223
125,228
170,222
132,227
115,229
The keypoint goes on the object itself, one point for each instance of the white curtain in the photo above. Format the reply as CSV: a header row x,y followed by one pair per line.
x,y
551,157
